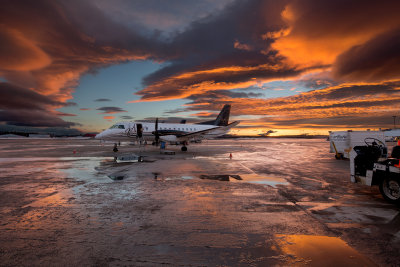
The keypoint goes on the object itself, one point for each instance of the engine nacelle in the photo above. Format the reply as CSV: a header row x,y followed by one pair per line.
x,y
169,138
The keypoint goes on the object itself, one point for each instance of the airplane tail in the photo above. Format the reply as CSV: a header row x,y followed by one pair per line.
x,y
222,118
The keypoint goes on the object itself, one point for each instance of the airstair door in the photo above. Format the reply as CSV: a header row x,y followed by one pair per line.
x,y
139,130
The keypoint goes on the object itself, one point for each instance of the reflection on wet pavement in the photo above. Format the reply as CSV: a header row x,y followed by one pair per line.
x,y
181,210
306,250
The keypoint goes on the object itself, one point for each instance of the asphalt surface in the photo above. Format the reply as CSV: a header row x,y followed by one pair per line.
x,y
282,202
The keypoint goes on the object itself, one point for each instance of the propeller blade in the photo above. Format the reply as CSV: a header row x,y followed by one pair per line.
x,y
157,136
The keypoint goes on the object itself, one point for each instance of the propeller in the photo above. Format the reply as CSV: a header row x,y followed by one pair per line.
x,y
156,134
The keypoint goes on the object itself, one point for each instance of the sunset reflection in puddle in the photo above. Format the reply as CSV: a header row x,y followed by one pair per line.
x,y
308,250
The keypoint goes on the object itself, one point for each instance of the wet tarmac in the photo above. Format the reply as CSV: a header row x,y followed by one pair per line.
x,y
277,202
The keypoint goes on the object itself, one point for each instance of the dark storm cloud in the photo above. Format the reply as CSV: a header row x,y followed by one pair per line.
x,y
28,117
47,45
376,59
102,100
127,117
15,97
110,110
219,52
252,34
159,16
21,106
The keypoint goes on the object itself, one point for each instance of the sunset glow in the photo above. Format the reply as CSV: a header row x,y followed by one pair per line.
x,y
290,67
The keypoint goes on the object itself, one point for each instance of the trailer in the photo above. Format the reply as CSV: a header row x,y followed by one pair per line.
x,y
342,142
370,165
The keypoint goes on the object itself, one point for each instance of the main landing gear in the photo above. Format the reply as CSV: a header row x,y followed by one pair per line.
x,y
184,148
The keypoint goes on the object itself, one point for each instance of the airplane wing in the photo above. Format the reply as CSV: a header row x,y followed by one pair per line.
x,y
213,132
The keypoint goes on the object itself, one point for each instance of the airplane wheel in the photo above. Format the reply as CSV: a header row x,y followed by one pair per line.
x,y
184,148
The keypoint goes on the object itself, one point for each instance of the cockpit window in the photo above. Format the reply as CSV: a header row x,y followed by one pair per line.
x,y
117,126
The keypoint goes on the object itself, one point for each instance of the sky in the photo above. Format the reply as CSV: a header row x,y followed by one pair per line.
x,y
287,67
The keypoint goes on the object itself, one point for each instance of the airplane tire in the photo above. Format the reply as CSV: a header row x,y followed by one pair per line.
x,y
390,189
184,148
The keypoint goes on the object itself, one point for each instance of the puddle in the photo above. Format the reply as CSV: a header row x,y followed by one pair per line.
x,y
116,177
264,180
247,178
220,177
300,250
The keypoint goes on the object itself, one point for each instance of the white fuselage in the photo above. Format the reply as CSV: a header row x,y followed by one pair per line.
x,y
167,131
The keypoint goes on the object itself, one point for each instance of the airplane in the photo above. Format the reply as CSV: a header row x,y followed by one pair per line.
x,y
180,133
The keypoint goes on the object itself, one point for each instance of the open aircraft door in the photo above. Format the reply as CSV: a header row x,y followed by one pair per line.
x,y
139,130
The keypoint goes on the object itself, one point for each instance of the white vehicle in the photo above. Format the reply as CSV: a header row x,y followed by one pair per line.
x,y
169,132
342,142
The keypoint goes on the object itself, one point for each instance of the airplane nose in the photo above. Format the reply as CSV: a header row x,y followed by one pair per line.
x,y
98,136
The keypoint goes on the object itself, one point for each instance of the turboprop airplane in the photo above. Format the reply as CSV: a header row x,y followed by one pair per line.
x,y
170,132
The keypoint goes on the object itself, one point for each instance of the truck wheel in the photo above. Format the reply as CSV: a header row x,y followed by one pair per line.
x,y
390,189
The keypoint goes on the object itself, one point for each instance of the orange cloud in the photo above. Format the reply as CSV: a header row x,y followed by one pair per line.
x,y
319,31
203,114
108,117
198,82
46,46
367,105
19,53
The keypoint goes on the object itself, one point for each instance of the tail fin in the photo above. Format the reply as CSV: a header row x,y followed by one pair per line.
x,y
222,118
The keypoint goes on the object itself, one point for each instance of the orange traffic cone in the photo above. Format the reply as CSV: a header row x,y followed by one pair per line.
x,y
230,155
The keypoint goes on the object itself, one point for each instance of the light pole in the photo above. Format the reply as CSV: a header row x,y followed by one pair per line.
x,y
394,122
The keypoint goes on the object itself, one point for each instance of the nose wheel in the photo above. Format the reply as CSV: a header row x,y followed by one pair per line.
x,y
184,148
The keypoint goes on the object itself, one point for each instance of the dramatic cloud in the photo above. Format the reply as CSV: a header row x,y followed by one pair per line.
x,y
37,118
318,31
347,51
319,108
85,109
375,60
63,114
47,45
21,106
126,117
258,41
111,110
222,52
